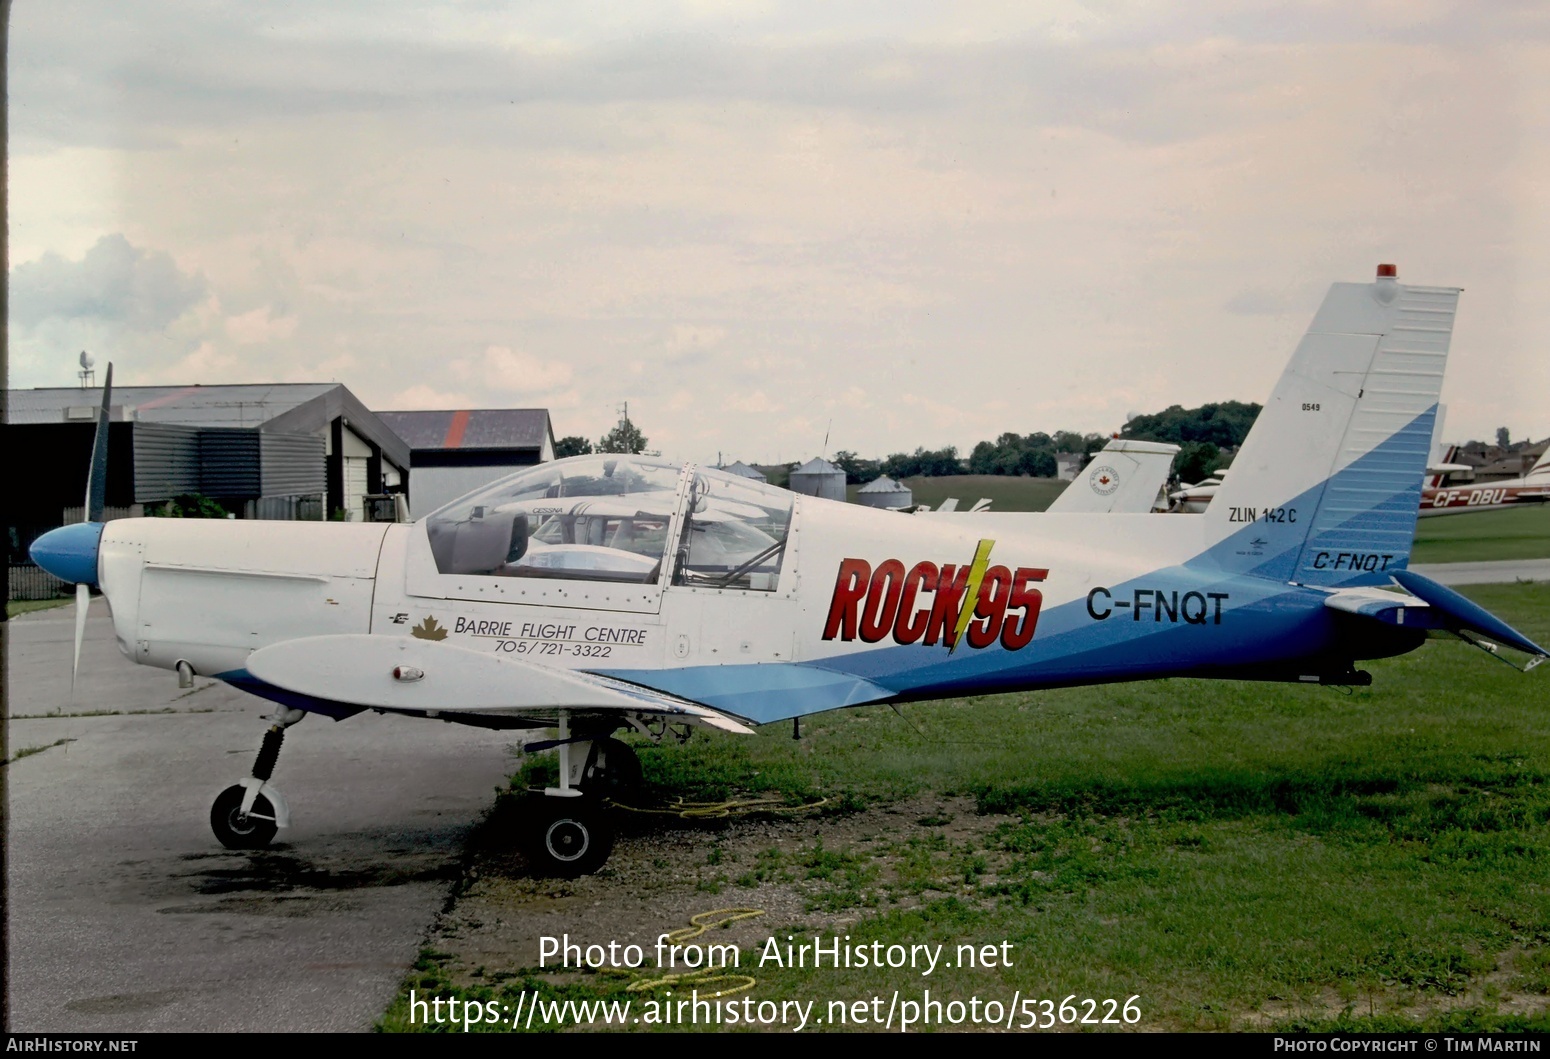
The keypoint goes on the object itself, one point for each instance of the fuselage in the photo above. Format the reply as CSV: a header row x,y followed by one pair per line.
x,y
866,607
1490,496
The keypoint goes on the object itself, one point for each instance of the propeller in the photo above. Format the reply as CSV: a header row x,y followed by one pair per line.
x,y
96,492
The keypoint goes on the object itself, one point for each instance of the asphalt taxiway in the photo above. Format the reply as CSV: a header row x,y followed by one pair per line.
x,y
1499,571
123,912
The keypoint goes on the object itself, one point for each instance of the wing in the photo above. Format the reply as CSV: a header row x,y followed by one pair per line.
x,y
419,676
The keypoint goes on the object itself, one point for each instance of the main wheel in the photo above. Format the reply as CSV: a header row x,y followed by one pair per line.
x,y
573,837
613,771
254,832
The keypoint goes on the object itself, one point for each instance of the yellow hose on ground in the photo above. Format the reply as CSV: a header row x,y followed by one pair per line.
x,y
699,924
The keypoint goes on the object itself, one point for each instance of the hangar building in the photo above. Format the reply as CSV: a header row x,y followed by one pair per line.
x,y
282,450
456,452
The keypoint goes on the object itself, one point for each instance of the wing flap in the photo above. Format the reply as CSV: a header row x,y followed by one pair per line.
x,y
402,673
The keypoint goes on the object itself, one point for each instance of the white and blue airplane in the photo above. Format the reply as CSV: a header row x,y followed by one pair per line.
x,y
612,592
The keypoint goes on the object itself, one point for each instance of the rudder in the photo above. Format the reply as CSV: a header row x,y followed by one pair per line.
x,y
1327,486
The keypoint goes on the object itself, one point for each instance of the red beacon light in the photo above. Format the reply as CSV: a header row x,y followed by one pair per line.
x,y
1388,272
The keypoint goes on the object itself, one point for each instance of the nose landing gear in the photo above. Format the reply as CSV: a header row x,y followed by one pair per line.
x,y
246,815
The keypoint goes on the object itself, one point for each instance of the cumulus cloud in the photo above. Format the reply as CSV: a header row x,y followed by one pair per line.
x,y
114,283
693,336
421,397
260,325
512,371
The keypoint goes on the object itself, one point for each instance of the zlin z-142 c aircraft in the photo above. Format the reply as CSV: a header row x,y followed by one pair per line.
x,y
608,592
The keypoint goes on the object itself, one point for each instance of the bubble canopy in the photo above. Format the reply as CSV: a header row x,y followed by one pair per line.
x,y
613,518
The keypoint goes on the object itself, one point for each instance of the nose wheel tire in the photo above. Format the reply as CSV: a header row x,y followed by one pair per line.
x,y
236,832
571,837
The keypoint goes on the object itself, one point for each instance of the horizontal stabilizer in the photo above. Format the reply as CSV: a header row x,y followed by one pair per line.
x,y
1460,613
1391,608
402,673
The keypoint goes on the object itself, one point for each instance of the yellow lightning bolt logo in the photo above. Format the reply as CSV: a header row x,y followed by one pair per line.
x,y
971,590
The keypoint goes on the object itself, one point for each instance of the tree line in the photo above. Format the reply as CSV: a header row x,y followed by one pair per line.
x,y
1201,433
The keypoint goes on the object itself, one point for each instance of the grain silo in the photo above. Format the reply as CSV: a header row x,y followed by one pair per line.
x,y
743,470
886,493
818,477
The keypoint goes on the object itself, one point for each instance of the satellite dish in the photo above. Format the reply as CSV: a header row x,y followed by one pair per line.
x,y
86,361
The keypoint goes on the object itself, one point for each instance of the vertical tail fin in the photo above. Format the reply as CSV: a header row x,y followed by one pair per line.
x,y
1126,476
1541,466
1327,486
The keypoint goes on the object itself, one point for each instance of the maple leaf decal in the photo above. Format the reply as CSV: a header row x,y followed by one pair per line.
x,y
429,629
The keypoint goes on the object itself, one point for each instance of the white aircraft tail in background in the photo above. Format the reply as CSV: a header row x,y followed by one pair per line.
x,y
1126,475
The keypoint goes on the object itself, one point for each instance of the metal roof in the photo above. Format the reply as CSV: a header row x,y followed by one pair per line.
x,y
884,484
741,468
817,465
246,405
279,407
475,428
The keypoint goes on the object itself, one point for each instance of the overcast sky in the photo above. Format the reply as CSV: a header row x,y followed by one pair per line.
x,y
928,223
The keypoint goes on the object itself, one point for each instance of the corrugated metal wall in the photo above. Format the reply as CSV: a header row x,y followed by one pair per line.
x,y
292,464
225,462
229,462
166,461
825,484
286,508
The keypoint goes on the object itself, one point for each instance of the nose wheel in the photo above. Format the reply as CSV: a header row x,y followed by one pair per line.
x,y
247,815
253,829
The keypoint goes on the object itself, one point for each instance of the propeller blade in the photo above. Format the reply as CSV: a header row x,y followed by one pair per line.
x,y
97,477
82,602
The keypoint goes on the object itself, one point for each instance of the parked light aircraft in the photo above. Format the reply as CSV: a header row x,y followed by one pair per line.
x,y
609,592
1193,499
1532,488
1125,475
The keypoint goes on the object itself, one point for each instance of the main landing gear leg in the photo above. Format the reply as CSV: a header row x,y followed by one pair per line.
x,y
572,834
247,814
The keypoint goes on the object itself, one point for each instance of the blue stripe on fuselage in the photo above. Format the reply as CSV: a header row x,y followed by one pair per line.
x,y
1264,620
1260,622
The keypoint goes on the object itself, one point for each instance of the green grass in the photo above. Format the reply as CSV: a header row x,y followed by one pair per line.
x,y
1008,493
1235,855
29,751
14,607
1521,533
